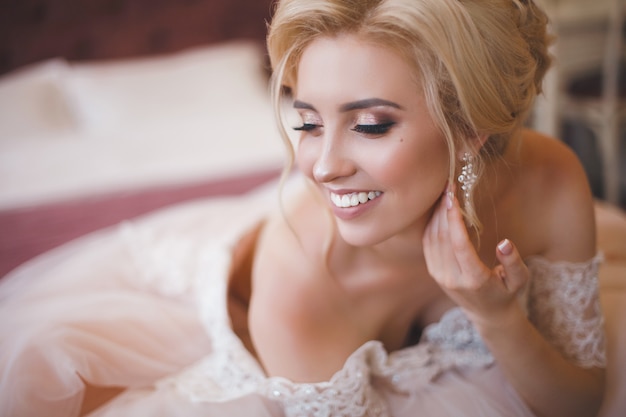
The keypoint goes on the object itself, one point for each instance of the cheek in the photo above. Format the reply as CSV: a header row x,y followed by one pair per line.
x,y
306,155
415,164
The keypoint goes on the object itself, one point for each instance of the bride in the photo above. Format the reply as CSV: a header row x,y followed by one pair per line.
x,y
426,259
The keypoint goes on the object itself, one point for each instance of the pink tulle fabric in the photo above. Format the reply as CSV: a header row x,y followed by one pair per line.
x,y
142,306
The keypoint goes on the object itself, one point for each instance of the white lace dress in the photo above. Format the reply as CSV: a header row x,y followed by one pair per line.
x,y
143,306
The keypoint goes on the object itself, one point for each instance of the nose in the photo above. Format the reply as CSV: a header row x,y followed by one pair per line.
x,y
333,161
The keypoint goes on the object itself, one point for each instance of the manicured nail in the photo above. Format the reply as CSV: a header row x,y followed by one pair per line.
x,y
505,247
449,199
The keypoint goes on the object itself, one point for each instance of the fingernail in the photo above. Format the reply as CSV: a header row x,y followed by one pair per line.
x,y
505,247
449,199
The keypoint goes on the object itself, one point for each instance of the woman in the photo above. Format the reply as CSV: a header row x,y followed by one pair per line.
x,y
431,264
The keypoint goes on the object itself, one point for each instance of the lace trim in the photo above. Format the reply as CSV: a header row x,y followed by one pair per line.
x,y
229,371
564,305
348,393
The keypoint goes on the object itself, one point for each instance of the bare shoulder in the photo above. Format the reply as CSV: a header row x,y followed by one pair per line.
x,y
293,317
288,245
284,269
555,187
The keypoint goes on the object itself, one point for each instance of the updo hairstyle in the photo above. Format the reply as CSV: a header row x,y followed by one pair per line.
x,y
479,63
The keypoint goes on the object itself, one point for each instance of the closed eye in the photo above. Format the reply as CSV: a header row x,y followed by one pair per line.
x,y
306,127
374,129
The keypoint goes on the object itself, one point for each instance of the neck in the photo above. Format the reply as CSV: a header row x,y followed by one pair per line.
x,y
403,251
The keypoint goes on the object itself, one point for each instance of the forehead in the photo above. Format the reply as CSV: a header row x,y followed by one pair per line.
x,y
350,66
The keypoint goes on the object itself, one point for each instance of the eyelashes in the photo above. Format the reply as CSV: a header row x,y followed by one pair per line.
x,y
375,129
366,129
306,127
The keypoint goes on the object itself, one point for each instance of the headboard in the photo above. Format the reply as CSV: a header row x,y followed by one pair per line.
x,y
79,30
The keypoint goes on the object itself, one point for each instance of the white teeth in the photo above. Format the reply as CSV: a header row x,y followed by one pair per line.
x,y
353,199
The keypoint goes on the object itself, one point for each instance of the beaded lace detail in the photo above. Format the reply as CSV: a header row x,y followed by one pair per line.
x,y
565,306
229,371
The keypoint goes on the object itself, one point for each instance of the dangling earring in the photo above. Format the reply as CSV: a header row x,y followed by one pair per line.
x,y
468,177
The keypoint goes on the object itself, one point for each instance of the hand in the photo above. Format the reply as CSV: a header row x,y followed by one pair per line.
x,y
488,296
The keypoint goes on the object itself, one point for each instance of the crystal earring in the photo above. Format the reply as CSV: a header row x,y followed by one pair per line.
x,y
468,176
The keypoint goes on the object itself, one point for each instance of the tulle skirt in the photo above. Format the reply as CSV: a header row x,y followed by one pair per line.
x,y
118,309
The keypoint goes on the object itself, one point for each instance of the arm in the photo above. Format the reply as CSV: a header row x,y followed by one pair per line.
x,y
550,384
549,381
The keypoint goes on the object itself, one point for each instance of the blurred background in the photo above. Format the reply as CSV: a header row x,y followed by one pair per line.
x,y
585,93
112,108
33,30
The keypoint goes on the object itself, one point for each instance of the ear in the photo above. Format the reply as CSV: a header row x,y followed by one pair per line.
x,y
473,145
480,140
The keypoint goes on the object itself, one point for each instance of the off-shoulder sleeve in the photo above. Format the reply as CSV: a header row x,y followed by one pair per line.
x,y
564,305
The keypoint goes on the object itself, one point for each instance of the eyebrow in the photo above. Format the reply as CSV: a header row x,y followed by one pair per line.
x,y
353,105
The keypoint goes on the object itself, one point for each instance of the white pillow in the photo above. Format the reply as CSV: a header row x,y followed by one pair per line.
x,y
33,102
189,85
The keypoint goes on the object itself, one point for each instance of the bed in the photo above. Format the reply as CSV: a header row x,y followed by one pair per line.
x,y
110,109
134,105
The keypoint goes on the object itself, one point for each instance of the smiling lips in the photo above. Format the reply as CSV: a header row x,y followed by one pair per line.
x,y
353,199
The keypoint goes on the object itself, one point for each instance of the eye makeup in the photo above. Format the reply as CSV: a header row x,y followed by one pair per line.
x,y
372,124
310,121
373,129
366,121
366,129
306,127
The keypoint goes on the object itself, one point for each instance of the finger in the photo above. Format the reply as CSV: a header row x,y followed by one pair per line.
x,y
440,259
431,240
452,278
464,251
433,224
514,271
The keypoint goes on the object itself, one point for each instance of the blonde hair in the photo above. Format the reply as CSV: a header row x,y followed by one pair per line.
x,y
480,62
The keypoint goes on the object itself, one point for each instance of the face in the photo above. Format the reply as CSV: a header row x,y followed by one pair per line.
x,y
367,139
